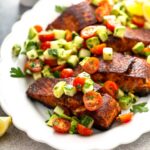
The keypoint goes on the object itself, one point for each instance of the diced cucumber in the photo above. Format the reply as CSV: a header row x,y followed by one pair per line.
x,y
31,45
60,112
54,45
69,90
58,89
74,34
84,61
107,53
148,59
87,121
32,33
41,57
59,34
88,85
147,25
96,2
109,17
52,119
133,97
56,74
64,54
68,45
84,74
138,48
39,52
91,42
125,102
119,31
132,26
102,33
120,94
32,54
46,72
37,75
78,41
122,20
16,50
50,54
73,127
61,61
73,60
84,53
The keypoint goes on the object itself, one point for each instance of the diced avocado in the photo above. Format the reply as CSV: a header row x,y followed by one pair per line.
x,y
125,102
73,127
58,89
119,31
61,61
50,54
52,119
148,59
88,85
46,72
73,60
91,42
37,75
84,74
32,54
138,48
120,94
16,50
96,2
78,41
59,34
84,53
87,121
107,53
84,61
69,90
32,33
102,33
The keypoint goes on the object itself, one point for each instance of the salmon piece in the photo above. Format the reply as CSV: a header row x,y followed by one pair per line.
x,y
131,37
41,91
75,18
130,73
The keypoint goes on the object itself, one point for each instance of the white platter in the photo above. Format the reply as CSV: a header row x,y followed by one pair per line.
x,y
29,116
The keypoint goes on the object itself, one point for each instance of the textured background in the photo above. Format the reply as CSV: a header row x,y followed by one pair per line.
x,y
10,11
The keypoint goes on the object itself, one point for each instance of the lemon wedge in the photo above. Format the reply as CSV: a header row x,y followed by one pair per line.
x,y
146,10
4,124
134,7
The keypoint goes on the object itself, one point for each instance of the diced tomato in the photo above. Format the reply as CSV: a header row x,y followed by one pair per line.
x,y
82,130
45,45
91,65
58,68
104,9
46,36
111,88
61,125
125,118
68,35
139,21
98,49
51,62
66,73
38,28
34,65
110,24
78,82
92,100
146,51
88,32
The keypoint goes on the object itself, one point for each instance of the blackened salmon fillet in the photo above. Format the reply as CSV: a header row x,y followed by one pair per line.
x,y
131,37
75,18
41,91
130,73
